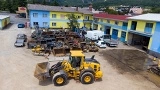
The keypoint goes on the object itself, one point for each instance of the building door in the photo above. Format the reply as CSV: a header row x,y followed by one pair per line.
x,y
115,34
107,30
123,36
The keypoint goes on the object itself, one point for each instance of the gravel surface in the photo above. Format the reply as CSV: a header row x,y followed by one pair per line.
x,y
18,65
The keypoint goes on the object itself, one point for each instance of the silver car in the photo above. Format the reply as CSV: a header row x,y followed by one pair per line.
x,y
19,43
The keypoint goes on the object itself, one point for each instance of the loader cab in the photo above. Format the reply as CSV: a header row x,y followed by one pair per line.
x,y
76,59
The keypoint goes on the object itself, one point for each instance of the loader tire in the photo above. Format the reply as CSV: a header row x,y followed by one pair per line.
x,y
87,78
60,80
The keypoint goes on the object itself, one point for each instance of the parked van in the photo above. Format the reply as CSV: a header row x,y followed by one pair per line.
x,y
94,35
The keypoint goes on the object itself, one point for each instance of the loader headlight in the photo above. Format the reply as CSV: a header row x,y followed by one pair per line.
x,y
52,72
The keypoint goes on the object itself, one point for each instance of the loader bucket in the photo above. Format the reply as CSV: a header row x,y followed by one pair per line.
x,y
59,52
67,50
41,71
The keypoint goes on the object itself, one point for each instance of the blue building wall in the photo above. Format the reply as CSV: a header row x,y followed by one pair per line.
x,y
155,46
40,19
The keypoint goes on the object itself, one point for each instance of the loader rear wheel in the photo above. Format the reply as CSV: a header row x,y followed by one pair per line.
x,y
60,80
87,78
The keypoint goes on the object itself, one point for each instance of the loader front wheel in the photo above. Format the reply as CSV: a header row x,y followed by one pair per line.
x,y
60,80
87,78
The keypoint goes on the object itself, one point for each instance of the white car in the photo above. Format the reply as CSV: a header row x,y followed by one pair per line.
x,y
101,44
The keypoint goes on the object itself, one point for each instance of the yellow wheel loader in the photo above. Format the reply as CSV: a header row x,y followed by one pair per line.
x,y
85,70
40,50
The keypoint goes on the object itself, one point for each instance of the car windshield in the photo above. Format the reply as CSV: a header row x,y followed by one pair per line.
x,y
106,36
102,42
20,36
19,41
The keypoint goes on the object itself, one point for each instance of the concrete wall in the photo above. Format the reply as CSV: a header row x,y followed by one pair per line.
x,y
141,25
61,22
102,23
155,45
40,19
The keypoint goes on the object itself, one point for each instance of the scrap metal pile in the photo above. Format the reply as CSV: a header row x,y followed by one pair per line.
x,y
58,42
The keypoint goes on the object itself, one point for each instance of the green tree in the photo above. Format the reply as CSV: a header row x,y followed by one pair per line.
x,y
0,4
44,2
9,5
15,5
33,2
55,3
3,5
73,21
110,11
22,3
155,10
66,6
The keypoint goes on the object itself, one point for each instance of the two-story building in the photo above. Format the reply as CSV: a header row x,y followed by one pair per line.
x,y
115,25
55,16
141,31
144,31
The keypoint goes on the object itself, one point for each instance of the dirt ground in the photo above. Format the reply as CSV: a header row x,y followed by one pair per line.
x,y
18,65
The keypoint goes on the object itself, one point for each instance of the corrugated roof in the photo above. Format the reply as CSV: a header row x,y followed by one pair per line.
x,y
111,16
57,8
3,16
147,17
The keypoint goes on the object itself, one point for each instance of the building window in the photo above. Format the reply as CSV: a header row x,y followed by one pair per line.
x,y
62,16
54,15
149,25
78,17
133,25
86,17
125,24
148,28
35,23
101,20
45,24
116,22
53,24
35,14
44,15
108,21
96,20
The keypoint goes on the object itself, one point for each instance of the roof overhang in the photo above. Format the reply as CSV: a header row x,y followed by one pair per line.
x,y
143,20
140,33
112,19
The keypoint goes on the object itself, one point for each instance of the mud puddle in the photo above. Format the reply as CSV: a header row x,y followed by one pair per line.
x,y
132,61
